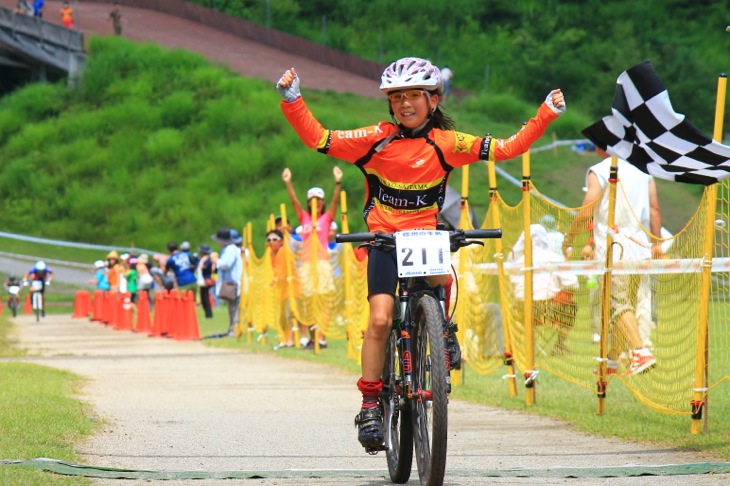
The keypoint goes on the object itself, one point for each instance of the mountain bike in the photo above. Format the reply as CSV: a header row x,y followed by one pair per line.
x,y
416,374
14,299
37,297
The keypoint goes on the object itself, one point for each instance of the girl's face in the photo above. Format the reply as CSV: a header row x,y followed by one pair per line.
x,y
412,106
318,204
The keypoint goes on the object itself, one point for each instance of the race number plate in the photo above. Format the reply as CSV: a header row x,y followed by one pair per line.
x,y
423,252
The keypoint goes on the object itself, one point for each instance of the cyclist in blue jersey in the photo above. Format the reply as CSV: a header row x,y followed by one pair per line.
x,y
42,273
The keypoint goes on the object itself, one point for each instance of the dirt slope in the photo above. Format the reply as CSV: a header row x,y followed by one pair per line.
x,y
243,56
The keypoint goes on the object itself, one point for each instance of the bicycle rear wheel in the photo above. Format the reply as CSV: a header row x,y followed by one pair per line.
x,y
396,418
430,374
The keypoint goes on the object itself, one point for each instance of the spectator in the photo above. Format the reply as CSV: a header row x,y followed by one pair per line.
x,y
38,8
552,291
637,195
182,268
446,75
205,268
100,276
67,16
132,275
116,18
325,283
145,280
230,268
24,7
115,270
555,237
275,242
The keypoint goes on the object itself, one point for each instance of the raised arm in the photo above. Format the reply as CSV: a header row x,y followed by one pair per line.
x,y
286,177
337,172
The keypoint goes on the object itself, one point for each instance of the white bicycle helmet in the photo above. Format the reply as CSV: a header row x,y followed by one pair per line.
x,y
40,266
411,72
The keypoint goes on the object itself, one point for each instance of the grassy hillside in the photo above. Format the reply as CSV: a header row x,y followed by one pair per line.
x,y
160,145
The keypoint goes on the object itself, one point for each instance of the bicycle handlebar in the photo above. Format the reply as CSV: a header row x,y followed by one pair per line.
x,y
366,237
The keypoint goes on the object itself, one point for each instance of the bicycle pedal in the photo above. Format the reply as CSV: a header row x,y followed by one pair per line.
x,y
374,450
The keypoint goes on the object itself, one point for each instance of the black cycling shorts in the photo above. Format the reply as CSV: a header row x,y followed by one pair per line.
x,y
382,272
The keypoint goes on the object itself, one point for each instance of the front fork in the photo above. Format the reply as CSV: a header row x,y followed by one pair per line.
x,y
406,346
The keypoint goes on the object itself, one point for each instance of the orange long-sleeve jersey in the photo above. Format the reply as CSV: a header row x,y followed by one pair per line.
x,y
406,179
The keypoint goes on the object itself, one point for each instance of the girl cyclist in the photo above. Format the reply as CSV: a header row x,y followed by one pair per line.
x,y
406,164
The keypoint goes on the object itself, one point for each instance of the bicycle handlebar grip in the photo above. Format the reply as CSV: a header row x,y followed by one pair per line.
x,y
483,233
354,237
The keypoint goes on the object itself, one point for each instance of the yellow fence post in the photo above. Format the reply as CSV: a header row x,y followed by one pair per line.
x,y
702,356
494,207
530,373
247,245
606,289
290,275
463,224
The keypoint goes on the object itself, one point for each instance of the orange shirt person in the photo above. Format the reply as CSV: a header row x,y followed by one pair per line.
x,y
67,16
115,270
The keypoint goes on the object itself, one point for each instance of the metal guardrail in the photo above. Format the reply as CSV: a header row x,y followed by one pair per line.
x,y
32,42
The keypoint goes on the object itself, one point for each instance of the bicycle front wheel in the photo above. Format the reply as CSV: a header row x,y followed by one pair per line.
x,y
37,305
396,418
430,375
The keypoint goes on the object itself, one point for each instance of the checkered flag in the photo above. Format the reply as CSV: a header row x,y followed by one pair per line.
x,y
645,130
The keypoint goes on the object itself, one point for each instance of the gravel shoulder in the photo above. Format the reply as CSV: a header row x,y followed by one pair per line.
x,y
168,405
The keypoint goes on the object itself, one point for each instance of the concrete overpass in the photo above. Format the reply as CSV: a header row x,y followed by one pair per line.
x,y
32,49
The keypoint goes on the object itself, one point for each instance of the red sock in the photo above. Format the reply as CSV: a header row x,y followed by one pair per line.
x,y
447,296
370,391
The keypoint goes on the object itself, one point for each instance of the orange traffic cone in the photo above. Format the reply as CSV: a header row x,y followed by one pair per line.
x,y
114,304
125,312
143,313
174,316
98,305
165,310
188,327
159,314
106,307
28,306
81,304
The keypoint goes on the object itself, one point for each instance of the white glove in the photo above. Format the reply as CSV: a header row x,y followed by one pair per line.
x,y
558,110
291,92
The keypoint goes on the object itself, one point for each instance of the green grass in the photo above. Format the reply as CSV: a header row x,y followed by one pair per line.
x,y
41,417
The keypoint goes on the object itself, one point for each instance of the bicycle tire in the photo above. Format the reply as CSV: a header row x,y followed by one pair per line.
x,y
396,418
37,305
430,374
13,304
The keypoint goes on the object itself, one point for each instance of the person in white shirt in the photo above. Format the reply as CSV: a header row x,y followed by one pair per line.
x,y
636,195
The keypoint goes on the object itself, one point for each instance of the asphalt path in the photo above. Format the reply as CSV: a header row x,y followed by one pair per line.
x,y
176,407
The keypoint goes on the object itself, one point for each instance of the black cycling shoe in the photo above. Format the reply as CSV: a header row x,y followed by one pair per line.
x,y
452,346
369,424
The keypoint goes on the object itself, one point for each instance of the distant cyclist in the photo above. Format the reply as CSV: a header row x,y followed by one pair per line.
x,y
42,273
406,163
13,281
12,286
